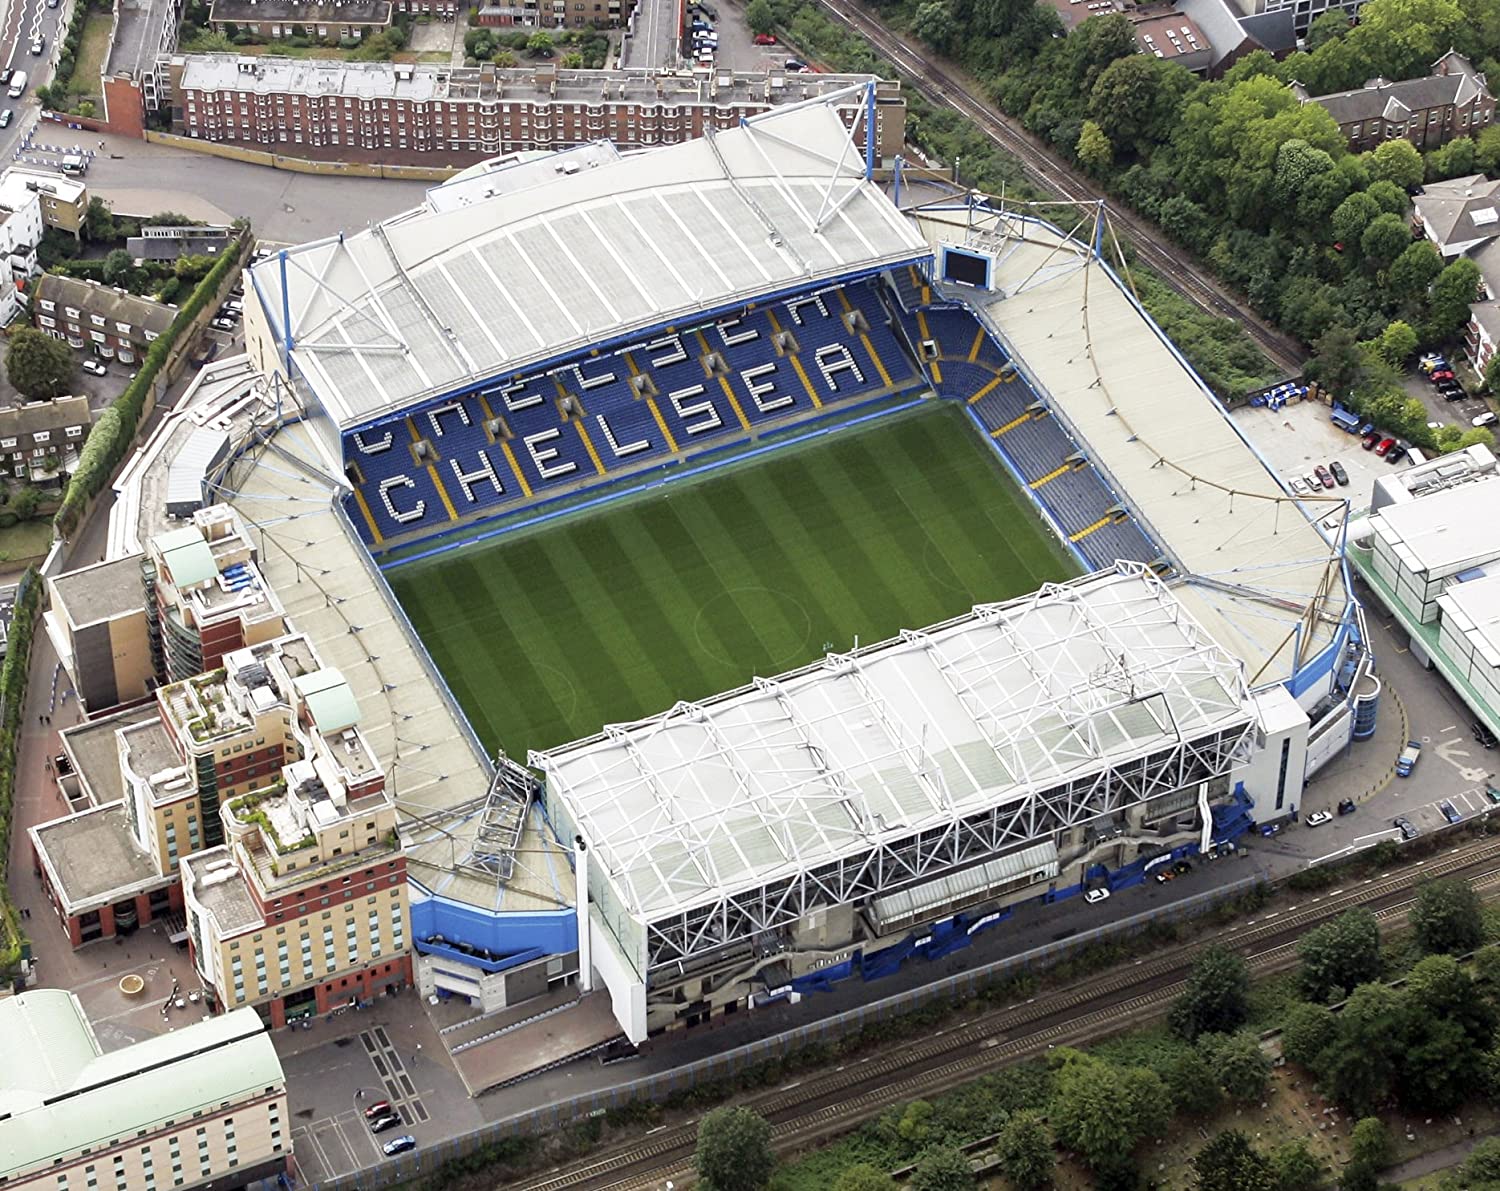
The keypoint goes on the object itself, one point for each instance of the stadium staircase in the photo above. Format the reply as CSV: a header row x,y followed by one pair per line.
x,y
964,362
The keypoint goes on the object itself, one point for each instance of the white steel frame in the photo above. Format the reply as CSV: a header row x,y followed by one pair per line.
x,y
1069,782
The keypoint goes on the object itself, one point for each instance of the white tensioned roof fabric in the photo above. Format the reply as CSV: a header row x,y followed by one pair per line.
x,y
713,799
431,301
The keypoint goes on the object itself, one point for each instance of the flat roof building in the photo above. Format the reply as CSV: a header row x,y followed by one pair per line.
x,y
203,1106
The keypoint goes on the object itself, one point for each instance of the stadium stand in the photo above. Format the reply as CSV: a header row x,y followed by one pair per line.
x,y
965,363
479,454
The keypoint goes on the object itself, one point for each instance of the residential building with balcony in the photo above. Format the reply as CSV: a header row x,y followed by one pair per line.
x,y
205,596
405,113
202,1107
276,19
545,14
114,324
1454,100
1462,218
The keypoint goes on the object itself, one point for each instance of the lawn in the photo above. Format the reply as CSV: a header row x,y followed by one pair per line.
x,y
26,540
91,50
548,634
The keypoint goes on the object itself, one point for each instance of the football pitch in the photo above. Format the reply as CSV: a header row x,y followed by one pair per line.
x,y
545,635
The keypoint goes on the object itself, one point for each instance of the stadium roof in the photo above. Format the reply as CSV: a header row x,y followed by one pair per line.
x,y
60,1095
1256,567
910,735
431,301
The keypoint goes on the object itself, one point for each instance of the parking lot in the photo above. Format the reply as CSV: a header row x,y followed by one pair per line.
x,y
1298,438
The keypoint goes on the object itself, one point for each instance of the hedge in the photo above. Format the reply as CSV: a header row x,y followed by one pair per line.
x,y
113,436
13,695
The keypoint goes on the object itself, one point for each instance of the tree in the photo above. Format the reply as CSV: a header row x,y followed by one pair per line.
x,y
1103,1112
1398,161
1480,1171
38,365
1095,153
1230,1163
23,504
1360,1063
1487,149
1352,216
116,265
1389,197
98,221
1192,1084
1294,1168
1306,1035
1328,26
1455,288
1216,999
934,24
1414,270
1447,917
1338,362
760,16
1397,343
1023,1151
734,1150
1385,237
1447,1029
862,1177
1243,1068
942,1168
1339,955
1369,1154
539,44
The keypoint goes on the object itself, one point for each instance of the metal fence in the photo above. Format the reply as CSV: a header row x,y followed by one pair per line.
x,y
726,1066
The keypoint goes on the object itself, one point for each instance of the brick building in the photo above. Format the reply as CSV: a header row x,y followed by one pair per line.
x,y
276,19
40,441
396,112
113,323
1454,100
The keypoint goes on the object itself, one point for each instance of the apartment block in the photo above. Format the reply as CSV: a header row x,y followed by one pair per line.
x,y
304,907
399,112
275,19
63,202
113,323
202,1108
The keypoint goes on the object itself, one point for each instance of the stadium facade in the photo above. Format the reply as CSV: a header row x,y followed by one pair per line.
x,y
563,334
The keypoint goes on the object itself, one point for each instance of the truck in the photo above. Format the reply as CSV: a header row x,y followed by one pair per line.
x,y
17,84
1407,761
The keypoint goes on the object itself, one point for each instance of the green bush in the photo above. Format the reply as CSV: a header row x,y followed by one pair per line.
x,y
13,699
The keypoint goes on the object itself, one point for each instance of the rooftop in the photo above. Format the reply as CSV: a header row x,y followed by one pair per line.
x,y
1254,564
346,12
1453,81
60,1096
1171,35
18,182
142,31
23,421
95,751
823,764
151,751
92,857
1445,530
221,888
101,591
116,305
432,300
1472,610
1460,211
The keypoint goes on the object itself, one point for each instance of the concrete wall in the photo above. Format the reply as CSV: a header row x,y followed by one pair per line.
x,y
301,165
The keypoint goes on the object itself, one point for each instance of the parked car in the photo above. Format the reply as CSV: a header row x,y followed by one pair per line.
x,y
6,117
94,368
5,74
1318,818
1440,375
1095,896
1385,446
1164,875
1431,362
381,1124
1313,483
1324,476
380,1108
399,1145
770,39
222,324
795,64
1482,734
1405,825
1370,440
1347,807
1485,419
1397,453
1298,486
1408,759
1339,474
1450,812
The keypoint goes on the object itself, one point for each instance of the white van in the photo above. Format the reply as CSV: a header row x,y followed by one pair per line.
x,y
1486,419
17,84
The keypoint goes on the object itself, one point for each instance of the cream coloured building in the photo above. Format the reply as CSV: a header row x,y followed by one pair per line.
x,y
202,1107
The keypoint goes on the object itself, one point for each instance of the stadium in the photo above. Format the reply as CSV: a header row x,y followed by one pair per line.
x,y
797,567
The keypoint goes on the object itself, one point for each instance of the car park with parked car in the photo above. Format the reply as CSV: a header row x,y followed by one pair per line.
x,y
399,1145
1318,818
1405,826
1340,476
94,368
1095,896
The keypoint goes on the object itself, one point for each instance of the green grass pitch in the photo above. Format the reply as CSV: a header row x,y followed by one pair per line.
x,y
614,614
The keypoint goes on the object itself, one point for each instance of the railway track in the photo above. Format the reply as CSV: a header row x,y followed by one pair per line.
x,y
926,76
808,1110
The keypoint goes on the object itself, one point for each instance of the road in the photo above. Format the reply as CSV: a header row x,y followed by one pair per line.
x,y
941,83
20,22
